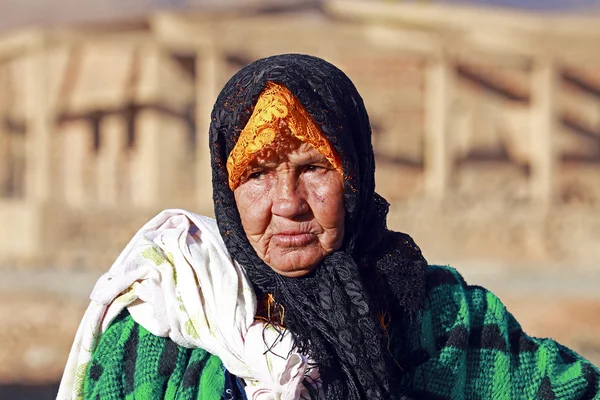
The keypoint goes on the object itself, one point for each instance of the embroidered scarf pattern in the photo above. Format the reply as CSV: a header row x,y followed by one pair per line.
x,y
275,104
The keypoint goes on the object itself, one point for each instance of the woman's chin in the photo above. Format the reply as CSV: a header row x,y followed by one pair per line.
x,y
295,263
293,273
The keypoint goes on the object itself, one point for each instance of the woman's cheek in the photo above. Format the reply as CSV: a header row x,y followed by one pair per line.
x,y
252,192
253,202
327,193
327,187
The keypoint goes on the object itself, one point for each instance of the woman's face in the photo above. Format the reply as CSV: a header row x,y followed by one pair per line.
x,y
291,202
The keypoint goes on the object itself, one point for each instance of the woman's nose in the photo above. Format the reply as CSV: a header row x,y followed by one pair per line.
x,y
288,198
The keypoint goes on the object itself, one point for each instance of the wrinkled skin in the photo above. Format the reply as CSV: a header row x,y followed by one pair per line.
x,y
291,204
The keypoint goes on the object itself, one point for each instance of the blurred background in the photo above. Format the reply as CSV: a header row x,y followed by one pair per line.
x,y
486,127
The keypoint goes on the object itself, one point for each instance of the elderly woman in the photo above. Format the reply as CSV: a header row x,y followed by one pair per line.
x,y
319,299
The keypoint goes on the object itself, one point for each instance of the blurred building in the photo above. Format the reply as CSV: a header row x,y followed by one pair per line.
x,y
111,119
486,128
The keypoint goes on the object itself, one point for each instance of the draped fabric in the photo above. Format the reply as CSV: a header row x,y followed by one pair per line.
x,y
177,280
333,312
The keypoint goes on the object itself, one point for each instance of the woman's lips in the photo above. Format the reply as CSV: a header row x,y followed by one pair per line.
x,y
291,239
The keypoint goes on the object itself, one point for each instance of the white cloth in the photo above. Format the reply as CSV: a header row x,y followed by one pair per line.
x,y
177,280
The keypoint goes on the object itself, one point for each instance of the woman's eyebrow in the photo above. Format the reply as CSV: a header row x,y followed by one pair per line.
x,y
257,164
311,157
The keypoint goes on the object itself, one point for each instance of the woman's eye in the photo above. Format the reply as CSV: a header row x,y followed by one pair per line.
x,y
312,168
256,175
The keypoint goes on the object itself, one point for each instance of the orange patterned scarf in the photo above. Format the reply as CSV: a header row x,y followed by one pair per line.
x,y
275,104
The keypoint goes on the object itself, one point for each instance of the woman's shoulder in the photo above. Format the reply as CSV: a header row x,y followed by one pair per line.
x,y
441,279
128,359
469,327
439,275
458,309
451,297
446,282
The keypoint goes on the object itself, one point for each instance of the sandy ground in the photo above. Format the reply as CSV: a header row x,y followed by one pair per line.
x,y
36,332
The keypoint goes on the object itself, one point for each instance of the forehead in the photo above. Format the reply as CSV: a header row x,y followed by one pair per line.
x,y
288,149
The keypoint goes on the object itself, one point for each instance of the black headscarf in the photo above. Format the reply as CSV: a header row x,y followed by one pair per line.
x,y
332,312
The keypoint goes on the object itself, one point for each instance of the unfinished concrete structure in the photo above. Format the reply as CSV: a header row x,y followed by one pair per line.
x,y
486,128
110,122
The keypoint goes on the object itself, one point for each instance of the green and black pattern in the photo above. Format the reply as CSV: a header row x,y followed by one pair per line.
x,y
131,363
470,347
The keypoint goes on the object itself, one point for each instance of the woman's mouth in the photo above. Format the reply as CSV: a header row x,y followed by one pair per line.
x,y
292,239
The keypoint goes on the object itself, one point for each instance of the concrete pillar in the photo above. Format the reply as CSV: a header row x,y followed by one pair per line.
x,y
160,169
144,161
77,163
109,161
4,139
39,125
463,131
143,182
208,64
544,84
438,100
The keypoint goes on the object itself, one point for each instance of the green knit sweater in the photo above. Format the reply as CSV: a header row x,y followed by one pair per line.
x,y
470,347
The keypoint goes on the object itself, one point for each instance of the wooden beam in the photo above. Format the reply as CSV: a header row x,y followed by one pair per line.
x,y
479,48
177,33
17,43
70,37
419,43
452,17
506,44
513,45
435,17
512,35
